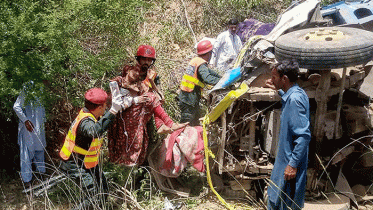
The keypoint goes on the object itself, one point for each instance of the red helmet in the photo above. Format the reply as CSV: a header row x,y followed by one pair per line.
x,y
146,51
204,47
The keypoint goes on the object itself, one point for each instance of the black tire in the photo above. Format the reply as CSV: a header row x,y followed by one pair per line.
x,y
353,47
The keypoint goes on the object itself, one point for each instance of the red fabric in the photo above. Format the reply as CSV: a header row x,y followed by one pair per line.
x,y
161,117
171,142
128,138
189,147
96,95
195,156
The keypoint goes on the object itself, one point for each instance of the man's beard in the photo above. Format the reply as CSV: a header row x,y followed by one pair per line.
x,y
143,72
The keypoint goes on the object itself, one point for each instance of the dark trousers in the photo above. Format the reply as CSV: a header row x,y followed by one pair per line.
x,y
97,174
189,114
99,178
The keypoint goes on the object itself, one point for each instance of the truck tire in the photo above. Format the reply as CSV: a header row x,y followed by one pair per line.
x,y
326,48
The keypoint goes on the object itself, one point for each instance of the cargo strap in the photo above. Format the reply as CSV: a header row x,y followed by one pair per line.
x,y
211,117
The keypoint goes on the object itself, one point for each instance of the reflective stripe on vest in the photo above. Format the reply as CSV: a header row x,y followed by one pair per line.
x,y
190,82
92,154
151,76
190,79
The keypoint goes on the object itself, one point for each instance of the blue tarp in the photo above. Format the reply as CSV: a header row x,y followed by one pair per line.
x,y
230,77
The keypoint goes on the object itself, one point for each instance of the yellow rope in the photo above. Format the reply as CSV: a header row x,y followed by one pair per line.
x,y
208,153
211,117
227,101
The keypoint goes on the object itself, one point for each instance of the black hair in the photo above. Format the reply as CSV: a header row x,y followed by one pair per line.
x,y
139,57
90,106
290,68
233,21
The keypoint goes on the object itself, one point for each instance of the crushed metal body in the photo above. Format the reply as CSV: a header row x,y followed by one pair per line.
x,y
244,138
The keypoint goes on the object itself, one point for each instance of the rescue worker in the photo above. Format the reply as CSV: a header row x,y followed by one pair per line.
x,y
84,139
196,75
226,48
145,58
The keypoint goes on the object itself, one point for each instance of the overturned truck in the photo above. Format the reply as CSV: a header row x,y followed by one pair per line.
x,y
336,65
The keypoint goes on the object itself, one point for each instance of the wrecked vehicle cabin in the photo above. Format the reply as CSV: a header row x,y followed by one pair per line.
x,y
336,65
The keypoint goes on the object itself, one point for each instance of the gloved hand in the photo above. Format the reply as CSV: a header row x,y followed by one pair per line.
x,y
127,102
117,101
116,104
127,98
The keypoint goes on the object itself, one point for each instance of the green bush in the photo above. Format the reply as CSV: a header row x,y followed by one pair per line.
x,y
74,45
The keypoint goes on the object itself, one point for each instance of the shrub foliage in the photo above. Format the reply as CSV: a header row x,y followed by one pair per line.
x,y
74,45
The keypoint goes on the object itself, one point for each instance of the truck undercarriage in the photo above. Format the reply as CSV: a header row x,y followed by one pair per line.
x,y
338,83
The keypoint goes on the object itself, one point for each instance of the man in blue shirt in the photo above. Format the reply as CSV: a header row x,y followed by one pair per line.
x,y
288,179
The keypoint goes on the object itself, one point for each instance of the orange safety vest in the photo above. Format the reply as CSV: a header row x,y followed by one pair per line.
x,y
151,76
190,79
93,153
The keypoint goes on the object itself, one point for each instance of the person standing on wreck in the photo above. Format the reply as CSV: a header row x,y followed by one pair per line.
x,y
288,178
128,136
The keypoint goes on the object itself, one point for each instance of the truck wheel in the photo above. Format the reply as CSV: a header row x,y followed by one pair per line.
x,y
326,48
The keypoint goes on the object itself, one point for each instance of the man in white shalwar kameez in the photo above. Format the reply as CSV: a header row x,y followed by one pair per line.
x,y
226,48
31,133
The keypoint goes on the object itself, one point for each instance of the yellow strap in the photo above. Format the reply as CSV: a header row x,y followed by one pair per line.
x,y
211,117
208,153
83,151
226,102
187,84
71,136
96,142
194,80
90,159
66,151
